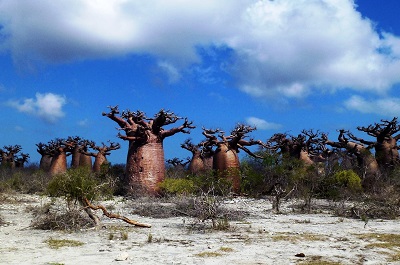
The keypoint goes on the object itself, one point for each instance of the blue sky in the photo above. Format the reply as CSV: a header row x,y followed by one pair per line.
x,y
281,65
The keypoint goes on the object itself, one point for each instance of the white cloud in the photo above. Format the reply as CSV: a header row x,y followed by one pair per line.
x,y
282,47
83,123
171,71
261,124
384,106
47,107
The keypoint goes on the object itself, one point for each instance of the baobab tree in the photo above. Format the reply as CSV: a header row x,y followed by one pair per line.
x,y
102,151
386,148
201,156
84,159
21,160
178,164
145,159
60,150
45,150
75,146
304,147
366,162
225,159
9,155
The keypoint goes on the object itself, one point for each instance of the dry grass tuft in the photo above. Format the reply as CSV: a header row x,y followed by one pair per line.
x,y
59,243
208,254
294,238
318,260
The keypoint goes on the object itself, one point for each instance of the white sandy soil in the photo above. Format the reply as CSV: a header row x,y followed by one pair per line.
x,y
263,237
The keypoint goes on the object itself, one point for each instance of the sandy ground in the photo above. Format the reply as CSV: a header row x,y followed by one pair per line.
x,y
262,237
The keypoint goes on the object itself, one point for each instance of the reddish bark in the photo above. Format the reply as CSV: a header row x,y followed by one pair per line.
x,y
85,160
201,156
75,146
386,149
145,160
304,147
225,159
46,157
101,154
60,151
367,164
9,155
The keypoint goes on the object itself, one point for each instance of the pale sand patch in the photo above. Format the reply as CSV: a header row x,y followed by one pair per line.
x,y
263,237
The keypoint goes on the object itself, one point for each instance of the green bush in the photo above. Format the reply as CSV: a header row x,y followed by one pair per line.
x,y
178,186
349,180
77,184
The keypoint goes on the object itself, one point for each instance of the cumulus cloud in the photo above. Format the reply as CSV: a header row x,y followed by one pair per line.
x,y
280,48
262,124
83,123
47,107
170,70
384,106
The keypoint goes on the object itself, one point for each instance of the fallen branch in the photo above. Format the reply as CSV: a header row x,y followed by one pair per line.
x,y
111,215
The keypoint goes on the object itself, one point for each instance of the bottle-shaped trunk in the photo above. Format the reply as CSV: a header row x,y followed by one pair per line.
x,y
369,168
196,164
85,161
387,154
208,162
98,162
45,163
58,164
75,158
145,168
226,163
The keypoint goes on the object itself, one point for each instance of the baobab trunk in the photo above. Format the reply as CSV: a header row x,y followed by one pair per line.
x,y
386,149
387,153
142,171
76,157
226,162
58,164
196,164
208,162
45,162
85,161
98,162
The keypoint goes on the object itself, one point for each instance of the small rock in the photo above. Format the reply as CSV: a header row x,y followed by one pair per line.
x,y
300,255
123,256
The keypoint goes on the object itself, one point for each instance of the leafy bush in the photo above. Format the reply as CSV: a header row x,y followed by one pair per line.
x,y
78,183
196,184
178,186
27,180
349,180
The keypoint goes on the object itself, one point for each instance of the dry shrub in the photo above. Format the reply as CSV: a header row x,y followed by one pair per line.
x,y
53,220
385,205
202,208
154,207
